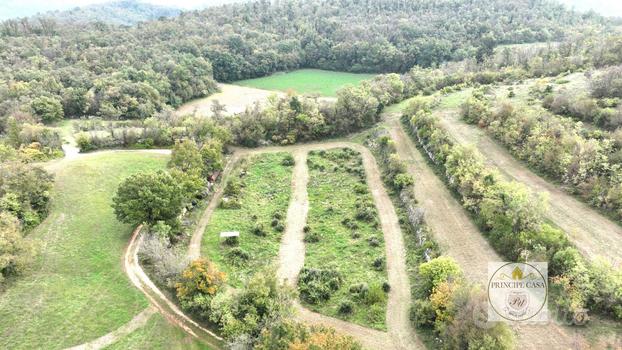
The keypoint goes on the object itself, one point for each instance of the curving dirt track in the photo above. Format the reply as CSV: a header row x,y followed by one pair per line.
x,y
462,240
593,233
108,339
158,300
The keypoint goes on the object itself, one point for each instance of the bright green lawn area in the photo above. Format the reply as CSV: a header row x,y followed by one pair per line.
x,y
266,189
158,334
333,194
310,81
77,290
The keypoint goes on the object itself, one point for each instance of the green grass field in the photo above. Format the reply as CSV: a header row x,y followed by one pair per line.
x,y
306,81
77,290
333,190
266,190
157,334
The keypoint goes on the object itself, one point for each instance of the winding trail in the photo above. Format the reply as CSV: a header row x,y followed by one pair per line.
x,y
194,248
593,233
160,301
108,339
462,240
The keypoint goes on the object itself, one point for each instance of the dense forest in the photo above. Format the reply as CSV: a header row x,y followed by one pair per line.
x,y
52,70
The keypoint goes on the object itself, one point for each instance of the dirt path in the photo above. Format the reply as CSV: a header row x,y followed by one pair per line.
x,y
137,322
593,234
462,240
158,300
194,248
292,249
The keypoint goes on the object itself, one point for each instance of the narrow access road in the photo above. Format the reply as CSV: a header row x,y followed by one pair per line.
x,y
461,239
160,301
591,232
194,248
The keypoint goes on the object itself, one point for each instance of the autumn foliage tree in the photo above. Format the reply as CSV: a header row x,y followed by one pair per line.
x,y
198,284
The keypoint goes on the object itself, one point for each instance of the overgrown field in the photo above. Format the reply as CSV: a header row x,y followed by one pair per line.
x,y
255,204
77,290
345,266
312,81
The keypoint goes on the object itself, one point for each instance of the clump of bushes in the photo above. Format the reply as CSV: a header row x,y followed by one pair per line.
x,y
238,256
318,285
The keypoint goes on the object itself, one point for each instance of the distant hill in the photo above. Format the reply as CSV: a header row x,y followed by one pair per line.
x,y
126,12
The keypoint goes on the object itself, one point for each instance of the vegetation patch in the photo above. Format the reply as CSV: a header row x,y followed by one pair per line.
x,y
343,229
255,205
77,290
307,81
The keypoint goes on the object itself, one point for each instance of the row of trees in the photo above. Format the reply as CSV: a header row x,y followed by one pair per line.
x,y
443,302
513,219
587,162
24,199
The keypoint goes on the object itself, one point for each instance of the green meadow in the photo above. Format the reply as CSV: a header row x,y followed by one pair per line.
x,y
307,81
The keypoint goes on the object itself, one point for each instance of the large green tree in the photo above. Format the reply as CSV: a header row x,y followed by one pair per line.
x,y
149,198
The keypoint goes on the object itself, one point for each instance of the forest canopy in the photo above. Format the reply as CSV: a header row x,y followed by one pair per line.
x,y
119,72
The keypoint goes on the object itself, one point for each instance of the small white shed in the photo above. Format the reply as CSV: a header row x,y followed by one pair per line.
x,y
229,234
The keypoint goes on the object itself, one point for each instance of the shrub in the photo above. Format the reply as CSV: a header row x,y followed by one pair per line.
x,y
346,307
312,237
317,285
166,264
232,241
16,253
238,256
259,230
386,287
374,241
200,280
279,227
422,313
288,160
437,271
378,263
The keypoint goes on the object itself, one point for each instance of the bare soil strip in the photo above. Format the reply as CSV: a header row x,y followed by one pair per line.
x,y
292,249
462,240
234,98
138,321
593,233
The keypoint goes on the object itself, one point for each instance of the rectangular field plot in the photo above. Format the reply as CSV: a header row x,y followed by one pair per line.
x,y
307,81
344,274
255,205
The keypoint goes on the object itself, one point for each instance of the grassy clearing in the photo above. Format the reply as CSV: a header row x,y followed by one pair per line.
x,y
265,191
158,334
311,81
338,240
77,290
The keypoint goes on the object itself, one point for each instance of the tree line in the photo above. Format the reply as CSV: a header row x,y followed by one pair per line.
x,y
512,218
